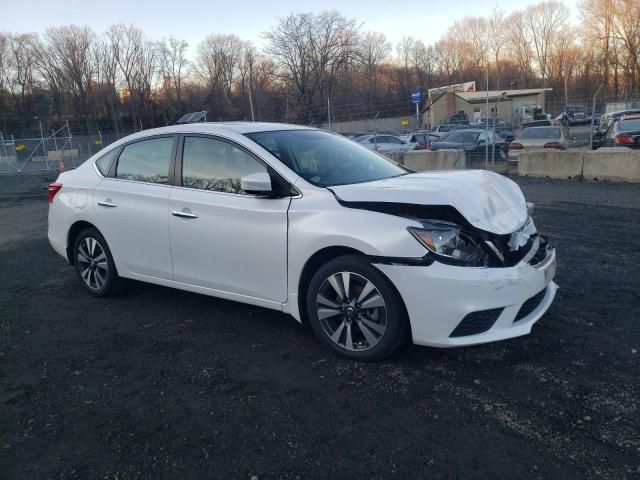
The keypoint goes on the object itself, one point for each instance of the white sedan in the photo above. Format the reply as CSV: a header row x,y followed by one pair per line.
x,y
309,223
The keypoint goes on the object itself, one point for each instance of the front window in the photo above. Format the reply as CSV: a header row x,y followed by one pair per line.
x,y
325,159
211,164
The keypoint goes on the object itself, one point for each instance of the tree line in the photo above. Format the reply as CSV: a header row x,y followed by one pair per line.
x,y
122,80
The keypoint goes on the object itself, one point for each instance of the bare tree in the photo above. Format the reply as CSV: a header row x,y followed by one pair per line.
x,y
373,49
546,21
309,50
174,64
217,64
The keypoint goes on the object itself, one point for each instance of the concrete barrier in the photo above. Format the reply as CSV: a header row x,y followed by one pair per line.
x,y
615,164
421,160
551,163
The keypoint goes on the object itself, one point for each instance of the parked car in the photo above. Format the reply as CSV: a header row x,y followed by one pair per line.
x,y
440,129
573,115
500,125
625,132
385,143
534,138
422,139
474,143
535,123
312,224
606,121
460,118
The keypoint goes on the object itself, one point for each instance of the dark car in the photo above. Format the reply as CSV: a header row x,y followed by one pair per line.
x,y
606,121
460,118
624,133
423,140
474,143
573,115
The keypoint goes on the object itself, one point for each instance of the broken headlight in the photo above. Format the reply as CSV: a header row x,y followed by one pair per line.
x,y
447,241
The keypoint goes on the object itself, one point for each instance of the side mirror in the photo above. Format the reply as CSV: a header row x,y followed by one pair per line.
x,y
258,183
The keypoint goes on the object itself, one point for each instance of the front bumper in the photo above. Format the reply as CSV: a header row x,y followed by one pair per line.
x,y
439,297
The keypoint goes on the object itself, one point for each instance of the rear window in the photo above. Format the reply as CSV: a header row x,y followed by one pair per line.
x,y
629,125
540,132
462,137
146,160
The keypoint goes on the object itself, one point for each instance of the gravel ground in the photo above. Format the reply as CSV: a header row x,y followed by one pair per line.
x,y
159,383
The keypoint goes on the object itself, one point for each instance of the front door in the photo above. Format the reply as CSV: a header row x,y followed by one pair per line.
x,y
221,237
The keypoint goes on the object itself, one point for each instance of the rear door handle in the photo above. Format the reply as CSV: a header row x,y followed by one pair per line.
x,y
107,203
184,213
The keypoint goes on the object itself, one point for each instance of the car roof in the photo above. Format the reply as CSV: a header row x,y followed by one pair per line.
x,y
223,127
467,130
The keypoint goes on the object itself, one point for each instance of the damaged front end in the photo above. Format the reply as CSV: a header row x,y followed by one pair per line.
x,y
452,240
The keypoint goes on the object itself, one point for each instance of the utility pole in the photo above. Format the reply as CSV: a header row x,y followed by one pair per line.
x,y
375,132
253,117
486,125
593,116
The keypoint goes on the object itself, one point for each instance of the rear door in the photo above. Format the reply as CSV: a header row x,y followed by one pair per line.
x,y
131,206
221,237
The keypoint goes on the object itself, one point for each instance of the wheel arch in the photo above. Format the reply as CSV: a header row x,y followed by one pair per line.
x,y
73,233
322,256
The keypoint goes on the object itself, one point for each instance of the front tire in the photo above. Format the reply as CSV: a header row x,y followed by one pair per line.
x,y
94,264
354,309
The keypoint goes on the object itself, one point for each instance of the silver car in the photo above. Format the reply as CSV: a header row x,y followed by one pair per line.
x,y
536,138
385,143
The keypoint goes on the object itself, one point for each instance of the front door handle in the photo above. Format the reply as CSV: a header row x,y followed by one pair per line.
x,y
107,203
184,213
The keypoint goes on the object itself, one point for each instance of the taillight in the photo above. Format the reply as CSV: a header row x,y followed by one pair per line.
x,y
556,145
623,140
53,189
515,146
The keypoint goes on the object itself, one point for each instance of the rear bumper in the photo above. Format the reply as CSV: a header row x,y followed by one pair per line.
x,y
439,297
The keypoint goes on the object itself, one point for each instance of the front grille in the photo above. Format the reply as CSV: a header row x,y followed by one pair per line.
x,y
477,322
542,252
530,305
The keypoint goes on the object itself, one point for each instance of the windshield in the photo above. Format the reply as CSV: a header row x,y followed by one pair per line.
x,y
325,159
463,137
540,132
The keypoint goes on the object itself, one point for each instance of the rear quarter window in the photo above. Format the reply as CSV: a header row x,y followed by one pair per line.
x,y
104,162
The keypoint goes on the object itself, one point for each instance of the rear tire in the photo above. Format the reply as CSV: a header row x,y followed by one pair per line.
x,y
94,264
355,310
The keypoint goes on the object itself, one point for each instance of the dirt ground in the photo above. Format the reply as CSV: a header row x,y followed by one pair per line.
x,y
159,383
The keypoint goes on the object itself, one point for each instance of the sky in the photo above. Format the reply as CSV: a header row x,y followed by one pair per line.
x,y
193,20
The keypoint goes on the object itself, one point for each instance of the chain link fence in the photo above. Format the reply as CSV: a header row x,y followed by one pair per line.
x,y
56,151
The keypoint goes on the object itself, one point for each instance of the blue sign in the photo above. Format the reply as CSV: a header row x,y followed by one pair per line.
x,y
417,95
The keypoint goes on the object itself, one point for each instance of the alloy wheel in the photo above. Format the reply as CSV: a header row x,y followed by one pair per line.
x,y
351,311
93,264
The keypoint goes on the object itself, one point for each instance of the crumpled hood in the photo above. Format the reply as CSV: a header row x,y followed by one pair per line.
x,y
488,201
